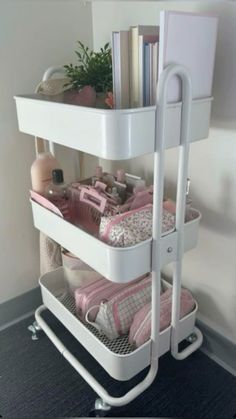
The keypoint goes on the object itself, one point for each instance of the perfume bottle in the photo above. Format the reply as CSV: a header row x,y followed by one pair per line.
x,y
188,204
116,195
120,176
98,175
58,193
120,184
109,180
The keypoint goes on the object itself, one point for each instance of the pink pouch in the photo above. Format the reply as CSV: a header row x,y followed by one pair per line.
x,y
89,297
169,205
40,199
140,198
116,314
140,330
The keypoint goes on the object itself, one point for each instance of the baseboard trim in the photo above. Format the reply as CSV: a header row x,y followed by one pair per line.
x,y
19,307
218,348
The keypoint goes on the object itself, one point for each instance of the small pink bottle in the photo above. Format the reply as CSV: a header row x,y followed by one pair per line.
x,y
97,176
120,184
41,171
120,175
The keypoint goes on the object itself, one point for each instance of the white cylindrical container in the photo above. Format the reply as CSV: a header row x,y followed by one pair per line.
x,y
76,272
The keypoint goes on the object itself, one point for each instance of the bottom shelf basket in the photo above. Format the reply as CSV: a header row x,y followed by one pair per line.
x,y
122,361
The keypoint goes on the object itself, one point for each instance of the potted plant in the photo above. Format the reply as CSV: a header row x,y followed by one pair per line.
x,y
91,79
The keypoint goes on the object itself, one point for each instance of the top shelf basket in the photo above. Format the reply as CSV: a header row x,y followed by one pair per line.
x,y
110,134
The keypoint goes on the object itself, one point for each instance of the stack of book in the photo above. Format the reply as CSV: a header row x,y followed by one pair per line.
x,y
140,54
135,66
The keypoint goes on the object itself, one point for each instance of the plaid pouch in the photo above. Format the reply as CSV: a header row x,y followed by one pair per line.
x,y
140,330
115,316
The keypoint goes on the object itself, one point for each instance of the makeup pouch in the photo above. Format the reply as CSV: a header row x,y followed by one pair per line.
x,y
89,297
90,203
140,330
142,196
132,227
115,315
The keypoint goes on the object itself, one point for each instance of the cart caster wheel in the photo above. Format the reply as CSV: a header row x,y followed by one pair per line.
x,y
34,328
192,338
101,409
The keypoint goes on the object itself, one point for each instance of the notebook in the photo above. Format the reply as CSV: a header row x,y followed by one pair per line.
x,y
135,31
188,39
143,39
120,68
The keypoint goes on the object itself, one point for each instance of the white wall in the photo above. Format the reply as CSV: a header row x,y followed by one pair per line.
x,y
33,36
209,270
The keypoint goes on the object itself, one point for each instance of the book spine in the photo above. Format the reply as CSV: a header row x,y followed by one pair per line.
x,y
146,74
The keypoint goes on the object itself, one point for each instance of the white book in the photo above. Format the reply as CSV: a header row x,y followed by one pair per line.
x,y
151,75
155,70
146,92
120,69
143,39
135,31
188,39
115,68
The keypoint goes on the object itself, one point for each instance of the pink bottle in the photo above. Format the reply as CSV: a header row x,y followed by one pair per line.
x,y
120,174
41,171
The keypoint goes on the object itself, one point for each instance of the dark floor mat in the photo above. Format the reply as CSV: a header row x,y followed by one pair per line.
x,y
35,380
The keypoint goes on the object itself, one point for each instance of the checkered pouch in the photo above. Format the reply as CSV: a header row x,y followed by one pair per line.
x,y
115,316
140,330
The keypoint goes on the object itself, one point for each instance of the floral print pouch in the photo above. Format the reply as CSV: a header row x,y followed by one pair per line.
x,y
132,227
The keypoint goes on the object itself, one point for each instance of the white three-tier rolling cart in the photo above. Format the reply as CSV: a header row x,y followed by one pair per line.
x,y
117,135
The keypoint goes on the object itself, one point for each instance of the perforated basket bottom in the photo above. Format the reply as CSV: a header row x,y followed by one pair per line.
x,y
119,346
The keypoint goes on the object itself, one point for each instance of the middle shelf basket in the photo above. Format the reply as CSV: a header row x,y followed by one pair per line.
x,y
118,264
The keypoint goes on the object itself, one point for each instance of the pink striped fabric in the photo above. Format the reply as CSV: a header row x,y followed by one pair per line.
x,y
116,315
140,330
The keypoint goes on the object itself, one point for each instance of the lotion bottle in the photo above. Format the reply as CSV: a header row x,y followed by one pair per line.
x,y
41,171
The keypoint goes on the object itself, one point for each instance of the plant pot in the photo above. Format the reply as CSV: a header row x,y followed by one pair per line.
x,y
100,100
83,97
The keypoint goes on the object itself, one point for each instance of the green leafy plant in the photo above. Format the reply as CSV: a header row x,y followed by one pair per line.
x,y
94,69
